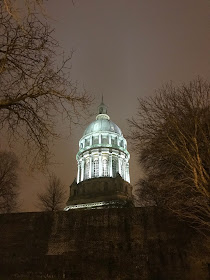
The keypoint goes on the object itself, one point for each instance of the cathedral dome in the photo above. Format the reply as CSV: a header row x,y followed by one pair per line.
x,y
102,150
102,125
103,166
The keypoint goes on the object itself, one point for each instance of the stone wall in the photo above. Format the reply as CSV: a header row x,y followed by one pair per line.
x,y
131,244
100,189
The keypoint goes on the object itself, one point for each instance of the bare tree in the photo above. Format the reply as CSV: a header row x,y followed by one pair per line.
x,y
35,89
54,197
171,135
17,8
8,182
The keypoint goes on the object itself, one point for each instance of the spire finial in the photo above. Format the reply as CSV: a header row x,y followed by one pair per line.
x,y
102,109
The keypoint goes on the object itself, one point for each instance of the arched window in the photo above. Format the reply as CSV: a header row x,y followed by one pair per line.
x,y
87,142
105,139
114,141
95,140
87,168
121,143
96,168
114,167
105,167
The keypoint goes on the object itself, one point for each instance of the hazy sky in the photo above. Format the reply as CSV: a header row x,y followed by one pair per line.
x,y
124,49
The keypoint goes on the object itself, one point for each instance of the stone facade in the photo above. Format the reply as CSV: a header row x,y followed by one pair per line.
x,y
100,192
105,244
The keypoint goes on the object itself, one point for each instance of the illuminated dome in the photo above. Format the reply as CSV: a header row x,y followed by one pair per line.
x,y
102,125
102,150
103,179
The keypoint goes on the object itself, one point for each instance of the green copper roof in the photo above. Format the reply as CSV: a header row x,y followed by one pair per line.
x,y
102,125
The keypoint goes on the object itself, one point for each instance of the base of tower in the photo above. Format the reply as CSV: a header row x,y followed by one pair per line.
x,y
100,205
103,192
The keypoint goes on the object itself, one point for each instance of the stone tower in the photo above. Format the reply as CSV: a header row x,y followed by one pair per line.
x,y
103,166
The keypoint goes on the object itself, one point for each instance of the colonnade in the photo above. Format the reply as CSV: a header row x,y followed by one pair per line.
x,y
102,164
111,139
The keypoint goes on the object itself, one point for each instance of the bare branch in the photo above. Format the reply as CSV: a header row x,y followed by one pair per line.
x,y
36,88
8,182
54,196
171,134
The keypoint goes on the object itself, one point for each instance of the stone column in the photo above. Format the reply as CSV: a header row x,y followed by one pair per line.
x,y
78,173
82,169
127,173
124,169
118,141
119,166
83,144
110,166
91,140
100,165
125,145
110,139
99,138
90,167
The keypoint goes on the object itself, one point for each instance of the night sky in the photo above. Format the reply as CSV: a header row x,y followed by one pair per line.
x,y
123,50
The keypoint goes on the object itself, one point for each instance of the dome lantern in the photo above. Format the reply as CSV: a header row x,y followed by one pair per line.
x,y
102,108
